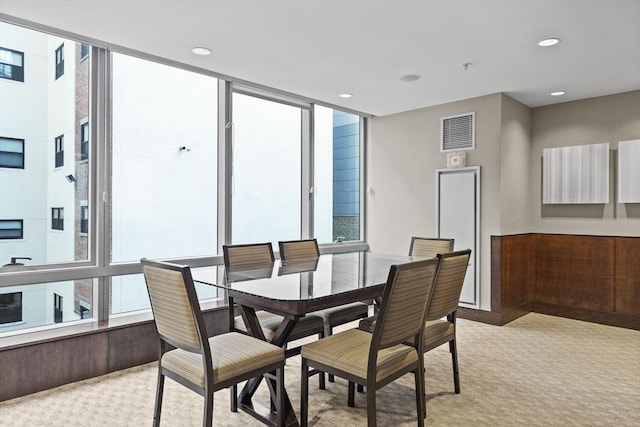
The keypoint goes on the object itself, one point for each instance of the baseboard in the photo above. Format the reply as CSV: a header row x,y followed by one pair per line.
x,y
612,319
490,317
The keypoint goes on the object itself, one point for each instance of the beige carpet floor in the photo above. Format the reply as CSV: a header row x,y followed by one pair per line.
x,y
536,371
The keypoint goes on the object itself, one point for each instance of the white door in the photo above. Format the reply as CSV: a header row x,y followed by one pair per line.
x,y
458,217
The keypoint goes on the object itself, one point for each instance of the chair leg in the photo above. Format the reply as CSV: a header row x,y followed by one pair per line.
x,y
233,398
371,406
159,392
304,393
421,405
280,405
454,361
208,408
328,331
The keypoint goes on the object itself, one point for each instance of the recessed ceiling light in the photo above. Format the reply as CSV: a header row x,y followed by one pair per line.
x,y
201,51
410,77
345,95
558,93
548,42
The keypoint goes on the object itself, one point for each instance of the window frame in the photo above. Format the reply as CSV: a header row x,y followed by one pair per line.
x,y
19,76
21,154
84,51
84,140
59,151
20,228
84,219
57,218
59,61
15,306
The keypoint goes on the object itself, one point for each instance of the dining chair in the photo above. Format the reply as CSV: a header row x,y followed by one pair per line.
x,y
378,359
334,316
190,357
440,321
257,254
254,255
428,247
247,255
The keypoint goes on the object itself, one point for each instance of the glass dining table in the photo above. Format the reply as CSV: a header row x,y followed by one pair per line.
x,y
292,289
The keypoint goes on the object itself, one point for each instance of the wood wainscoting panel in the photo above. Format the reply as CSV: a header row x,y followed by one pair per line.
x,y
627,276
575,271
512,275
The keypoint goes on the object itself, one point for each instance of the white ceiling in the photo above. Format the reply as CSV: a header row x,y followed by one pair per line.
x,y
320,49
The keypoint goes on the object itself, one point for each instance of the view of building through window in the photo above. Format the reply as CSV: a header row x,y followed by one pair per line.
x,y
161,172
337,175
42,178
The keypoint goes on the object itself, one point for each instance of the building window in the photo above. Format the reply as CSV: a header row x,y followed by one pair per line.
x,y
84,51
11,64
57,308
11,153
84,219
57,218
60,61
59,151
11,229
84,142
11,307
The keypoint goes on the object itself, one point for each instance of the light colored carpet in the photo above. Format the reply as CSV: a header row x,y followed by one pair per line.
x,y
536,371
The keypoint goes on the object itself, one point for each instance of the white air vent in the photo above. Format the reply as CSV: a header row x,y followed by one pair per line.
x,y
458,132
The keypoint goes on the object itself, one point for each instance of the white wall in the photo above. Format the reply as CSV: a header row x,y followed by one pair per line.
x,y
609,119
403,153
515,200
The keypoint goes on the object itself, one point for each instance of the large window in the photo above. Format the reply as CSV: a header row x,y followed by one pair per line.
x,y
11,64
266,182
135,173
337,175
11,153
164,170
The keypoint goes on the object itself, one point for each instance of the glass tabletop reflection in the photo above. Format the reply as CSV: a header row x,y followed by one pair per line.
x,y
304,279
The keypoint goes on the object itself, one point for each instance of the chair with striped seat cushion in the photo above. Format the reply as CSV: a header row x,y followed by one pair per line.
x,y
429,247
258,255
440,325
377,359
334,316
250,256
201,363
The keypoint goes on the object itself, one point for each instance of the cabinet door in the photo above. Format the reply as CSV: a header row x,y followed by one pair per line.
x,y
458,217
